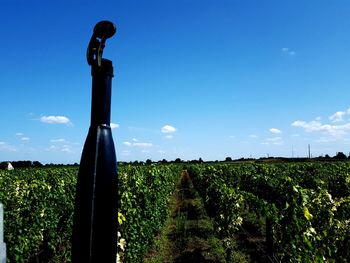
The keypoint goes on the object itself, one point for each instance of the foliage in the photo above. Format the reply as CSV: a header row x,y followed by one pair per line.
x,y
38,207
308,204
144,193
39,204
121,241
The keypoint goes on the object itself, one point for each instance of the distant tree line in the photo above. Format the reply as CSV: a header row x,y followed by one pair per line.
x,y
21,164
28,164
338,156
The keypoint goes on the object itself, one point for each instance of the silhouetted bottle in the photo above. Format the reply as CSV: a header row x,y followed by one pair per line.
x,y
94,237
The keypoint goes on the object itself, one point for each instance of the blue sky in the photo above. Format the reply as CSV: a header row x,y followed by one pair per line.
x,y
193,79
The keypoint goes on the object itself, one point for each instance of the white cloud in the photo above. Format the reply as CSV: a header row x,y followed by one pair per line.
x,y
66,148
275,131
21,137
127,143
316,126
168,129
52,148
114,125
138,144
288,51
253,136
338,116
325,140
142,144
135,140
169,137
7,148
58,140
274,140
55,119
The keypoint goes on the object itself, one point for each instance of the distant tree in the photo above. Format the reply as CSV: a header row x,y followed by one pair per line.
x,y
340,156
164,161
178,160
37,164
200,160
228,159
22,164
3,165
327,156
148,161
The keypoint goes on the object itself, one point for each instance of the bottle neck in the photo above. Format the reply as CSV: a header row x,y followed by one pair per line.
x,y
101,93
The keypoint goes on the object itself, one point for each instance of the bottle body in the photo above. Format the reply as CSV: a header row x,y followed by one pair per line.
x,y
94,238
95,217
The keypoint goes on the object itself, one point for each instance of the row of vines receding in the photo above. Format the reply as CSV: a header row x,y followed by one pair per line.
x,y
303,210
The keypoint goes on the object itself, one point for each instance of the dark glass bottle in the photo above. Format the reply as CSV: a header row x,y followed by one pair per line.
x,y
94,237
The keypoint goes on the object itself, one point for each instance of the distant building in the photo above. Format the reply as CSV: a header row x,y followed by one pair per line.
x,y
10,166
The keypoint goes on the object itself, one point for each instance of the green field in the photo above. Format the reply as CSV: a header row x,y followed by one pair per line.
x,y
223,212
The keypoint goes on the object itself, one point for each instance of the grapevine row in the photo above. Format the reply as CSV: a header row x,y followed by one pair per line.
x,y
39,203
307,204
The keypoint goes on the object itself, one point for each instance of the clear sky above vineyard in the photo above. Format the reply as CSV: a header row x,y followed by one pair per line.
x,y
193,78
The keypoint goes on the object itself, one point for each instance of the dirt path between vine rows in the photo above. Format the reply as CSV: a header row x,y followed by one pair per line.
x,y
189,235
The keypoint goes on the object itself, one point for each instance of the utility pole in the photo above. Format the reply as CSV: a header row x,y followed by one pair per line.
x,y
309,151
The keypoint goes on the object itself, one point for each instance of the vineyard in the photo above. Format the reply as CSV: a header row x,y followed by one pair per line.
x,y
302,211
224,212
